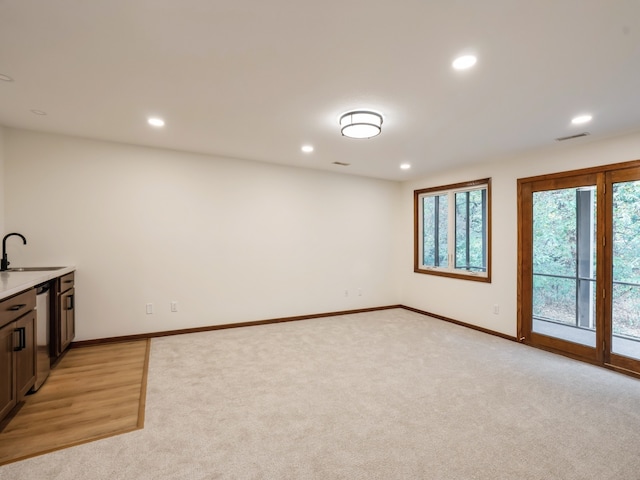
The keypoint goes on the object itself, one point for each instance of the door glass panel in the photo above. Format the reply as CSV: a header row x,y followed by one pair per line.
x,y
625,307
564,264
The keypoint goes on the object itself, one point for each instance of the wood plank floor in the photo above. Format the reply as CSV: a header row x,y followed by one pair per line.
x,y
94,392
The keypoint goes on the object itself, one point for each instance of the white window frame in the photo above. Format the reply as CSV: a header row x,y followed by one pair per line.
x,y
450,191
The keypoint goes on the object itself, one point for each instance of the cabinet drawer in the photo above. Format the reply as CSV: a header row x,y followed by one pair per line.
x,y
16,306
66,282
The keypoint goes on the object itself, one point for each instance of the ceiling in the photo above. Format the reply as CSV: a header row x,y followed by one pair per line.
x,y
256,80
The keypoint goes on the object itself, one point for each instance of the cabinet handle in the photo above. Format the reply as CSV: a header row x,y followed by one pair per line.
x,y
70,302
15,308
68,281
22,339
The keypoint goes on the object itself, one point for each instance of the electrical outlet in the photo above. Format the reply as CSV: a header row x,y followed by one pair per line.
x,y
496,309
359,292
346,293
174,306
149,308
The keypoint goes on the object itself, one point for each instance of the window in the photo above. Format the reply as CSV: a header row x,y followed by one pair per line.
x,y
453,230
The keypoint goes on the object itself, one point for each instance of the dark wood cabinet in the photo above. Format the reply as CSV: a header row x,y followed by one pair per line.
x,y
63,325
17,349
26,355
8,396
67,318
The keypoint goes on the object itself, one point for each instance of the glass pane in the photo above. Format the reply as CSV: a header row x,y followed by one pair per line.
x,y
443,231
564,259
435,231
554,299
625,316
470,230
428,229
554,232
554,310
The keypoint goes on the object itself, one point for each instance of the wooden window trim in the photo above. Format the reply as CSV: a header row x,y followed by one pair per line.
x,y
418,235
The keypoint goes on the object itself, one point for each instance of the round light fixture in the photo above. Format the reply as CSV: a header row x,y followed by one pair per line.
x,y
464,62
307,148
360,124
405,166
155,122
580,119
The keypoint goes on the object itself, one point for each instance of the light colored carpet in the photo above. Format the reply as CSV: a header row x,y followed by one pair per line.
x,y
383,395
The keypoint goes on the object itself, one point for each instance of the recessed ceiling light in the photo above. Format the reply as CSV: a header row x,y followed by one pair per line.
x,y
464,62
580,119
405,166
5,78
38,112
307,148
155,122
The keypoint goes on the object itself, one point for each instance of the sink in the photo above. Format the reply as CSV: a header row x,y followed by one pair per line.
x,y
34,269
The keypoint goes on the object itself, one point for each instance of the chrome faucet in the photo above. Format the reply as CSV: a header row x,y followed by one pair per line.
x,y
4,265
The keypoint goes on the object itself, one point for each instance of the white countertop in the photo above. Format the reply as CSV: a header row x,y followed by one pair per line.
x,y
16,282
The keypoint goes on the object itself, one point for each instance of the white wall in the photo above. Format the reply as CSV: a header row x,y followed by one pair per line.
x,y
472,302
236,241
231,241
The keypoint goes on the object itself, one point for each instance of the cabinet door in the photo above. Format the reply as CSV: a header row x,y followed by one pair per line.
x,y
71,317
67,318
55,328
8,397
26,355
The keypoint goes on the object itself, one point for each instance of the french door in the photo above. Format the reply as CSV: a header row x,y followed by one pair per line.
x,y
623,274
579,264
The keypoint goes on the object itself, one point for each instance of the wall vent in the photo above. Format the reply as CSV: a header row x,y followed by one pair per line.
x,y
571,137
342,164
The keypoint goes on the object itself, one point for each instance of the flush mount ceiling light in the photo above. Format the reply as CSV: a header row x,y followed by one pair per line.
x,y
580,119
405,166
155,122
360,124
464,62
307,148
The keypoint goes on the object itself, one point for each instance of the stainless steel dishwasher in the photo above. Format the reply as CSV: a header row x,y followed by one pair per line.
x,y
43,361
